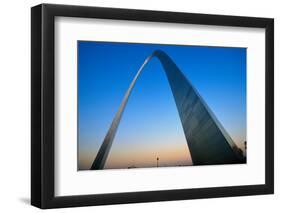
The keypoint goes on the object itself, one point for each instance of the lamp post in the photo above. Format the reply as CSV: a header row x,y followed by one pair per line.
x,y
157,160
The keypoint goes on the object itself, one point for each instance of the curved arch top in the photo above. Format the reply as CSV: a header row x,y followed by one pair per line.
x,y
206,138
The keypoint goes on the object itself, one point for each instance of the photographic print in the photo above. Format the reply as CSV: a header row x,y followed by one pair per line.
x,y
156,105
135,95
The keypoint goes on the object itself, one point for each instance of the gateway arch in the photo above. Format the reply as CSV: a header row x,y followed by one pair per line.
x,y
206,138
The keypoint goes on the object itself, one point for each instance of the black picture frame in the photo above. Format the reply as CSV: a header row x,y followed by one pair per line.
x,y
43,100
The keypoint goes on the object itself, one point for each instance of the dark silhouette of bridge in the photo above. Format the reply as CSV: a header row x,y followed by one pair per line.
x,y
208,141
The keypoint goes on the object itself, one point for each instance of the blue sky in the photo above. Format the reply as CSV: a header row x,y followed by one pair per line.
x,y
150,124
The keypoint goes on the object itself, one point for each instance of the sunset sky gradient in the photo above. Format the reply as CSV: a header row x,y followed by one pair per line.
x,y
150,126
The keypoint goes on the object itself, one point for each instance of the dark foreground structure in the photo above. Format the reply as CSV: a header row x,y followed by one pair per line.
x,y
207,140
